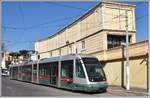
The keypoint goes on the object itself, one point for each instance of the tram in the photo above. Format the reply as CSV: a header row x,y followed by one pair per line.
x,y
75,72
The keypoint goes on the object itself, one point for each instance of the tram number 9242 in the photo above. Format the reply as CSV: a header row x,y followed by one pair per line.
x,y
73,72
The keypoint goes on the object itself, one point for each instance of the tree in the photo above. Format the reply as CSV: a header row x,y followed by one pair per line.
x,y
25,54
15,56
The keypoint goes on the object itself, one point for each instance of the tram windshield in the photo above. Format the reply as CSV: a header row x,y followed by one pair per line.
x,y
94,70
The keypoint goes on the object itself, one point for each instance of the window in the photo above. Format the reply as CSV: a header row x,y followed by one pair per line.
x,y
79,69
83,44
116,40
44,70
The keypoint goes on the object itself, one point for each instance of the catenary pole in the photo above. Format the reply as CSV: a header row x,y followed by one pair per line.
x,y
127,53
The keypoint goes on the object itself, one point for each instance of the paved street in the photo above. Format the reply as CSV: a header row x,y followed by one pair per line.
x,y
17,88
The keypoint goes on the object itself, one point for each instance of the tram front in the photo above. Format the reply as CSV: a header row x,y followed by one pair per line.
x,y
94,74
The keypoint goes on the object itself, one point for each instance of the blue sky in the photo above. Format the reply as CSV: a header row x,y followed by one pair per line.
x,y
25,22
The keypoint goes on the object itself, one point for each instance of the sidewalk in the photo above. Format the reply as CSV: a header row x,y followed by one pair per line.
x,y
122,91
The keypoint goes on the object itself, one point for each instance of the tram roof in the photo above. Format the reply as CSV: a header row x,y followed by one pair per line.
x,y
55,59
24,63
65,57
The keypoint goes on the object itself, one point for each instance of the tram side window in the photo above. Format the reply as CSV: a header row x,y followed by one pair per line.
x,y
79,69
44,70
41,70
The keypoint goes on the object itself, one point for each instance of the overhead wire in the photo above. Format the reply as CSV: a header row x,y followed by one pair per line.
x,y
55,3
138,18
49,22
46,23
110,21
30,42
105,22
68,6
41,24
15,43
63,19
31,27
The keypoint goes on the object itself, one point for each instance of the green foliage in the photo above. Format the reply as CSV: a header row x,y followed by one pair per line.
x,y
14,54
24,53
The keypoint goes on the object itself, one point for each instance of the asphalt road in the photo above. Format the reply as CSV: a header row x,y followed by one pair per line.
x,y
18,88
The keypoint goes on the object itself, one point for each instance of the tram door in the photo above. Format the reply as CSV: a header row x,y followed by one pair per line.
x,y
54,73
66,73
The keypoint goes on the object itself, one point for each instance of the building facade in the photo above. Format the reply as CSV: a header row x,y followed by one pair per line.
x,y
101,28
6,60
101,32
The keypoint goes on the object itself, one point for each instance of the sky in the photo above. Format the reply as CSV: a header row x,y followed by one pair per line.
x,y
23,23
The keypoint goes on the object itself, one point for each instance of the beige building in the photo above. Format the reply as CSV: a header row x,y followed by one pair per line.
x,y
6,60
101,32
